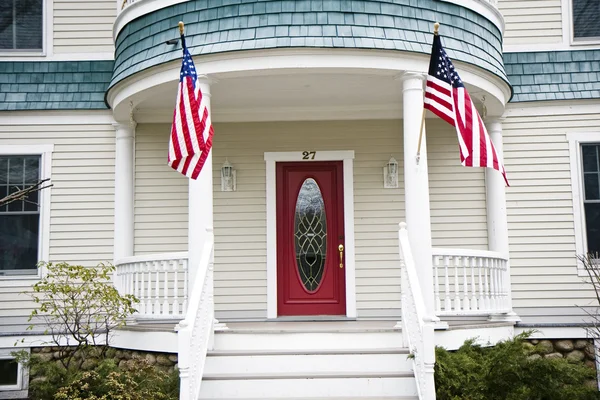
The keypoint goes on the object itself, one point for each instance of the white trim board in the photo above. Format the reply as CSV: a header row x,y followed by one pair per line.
x,y
347,157
45,151
575,140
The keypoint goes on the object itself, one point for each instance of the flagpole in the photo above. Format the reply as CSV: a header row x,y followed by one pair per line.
x,y
436,28
181,27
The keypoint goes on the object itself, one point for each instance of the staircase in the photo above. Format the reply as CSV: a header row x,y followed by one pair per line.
x,y
309,360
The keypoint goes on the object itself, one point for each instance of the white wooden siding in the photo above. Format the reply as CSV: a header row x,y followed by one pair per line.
x,y
84,26
82,204
545,284
531,21
458,204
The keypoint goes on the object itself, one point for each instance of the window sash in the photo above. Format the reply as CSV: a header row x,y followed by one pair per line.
x,y
585,14
23,26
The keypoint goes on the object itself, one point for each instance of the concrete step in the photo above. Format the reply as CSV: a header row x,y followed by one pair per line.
x,y
306,340
308,362
317,386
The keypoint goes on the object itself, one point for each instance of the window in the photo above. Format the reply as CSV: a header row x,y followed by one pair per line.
x,y
14,377
21,25
20,219
586,14
590,155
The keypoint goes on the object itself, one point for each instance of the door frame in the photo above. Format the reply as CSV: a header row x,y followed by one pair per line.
x,y
347,158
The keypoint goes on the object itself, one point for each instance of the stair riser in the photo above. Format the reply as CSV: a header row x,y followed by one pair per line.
x,y
308,388
307,364
307,341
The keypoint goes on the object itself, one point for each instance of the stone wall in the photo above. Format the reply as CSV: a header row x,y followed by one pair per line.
x,y
166,362
578,350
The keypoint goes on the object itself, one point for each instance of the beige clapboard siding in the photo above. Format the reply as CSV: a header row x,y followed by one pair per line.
x,y
84,26
240,217
531,21
540,215
82,202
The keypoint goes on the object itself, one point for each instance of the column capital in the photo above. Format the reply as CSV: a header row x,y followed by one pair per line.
x,y
411,80
493,120
124,129
205,83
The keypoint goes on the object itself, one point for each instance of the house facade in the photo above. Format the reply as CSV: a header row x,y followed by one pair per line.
x,y
287,249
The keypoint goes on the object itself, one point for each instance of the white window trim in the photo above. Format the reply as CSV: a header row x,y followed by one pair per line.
x,y
45,151
19,390
569,30
347,157
47,35
576,139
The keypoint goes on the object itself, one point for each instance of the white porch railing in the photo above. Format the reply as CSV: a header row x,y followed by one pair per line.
x,y
159,281
196,331
417,327
470,282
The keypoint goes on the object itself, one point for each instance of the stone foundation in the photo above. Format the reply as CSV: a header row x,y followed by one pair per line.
x,y
577,350
166,362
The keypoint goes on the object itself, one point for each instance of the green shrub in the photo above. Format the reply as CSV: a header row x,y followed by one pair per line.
x,y
508,372
138,380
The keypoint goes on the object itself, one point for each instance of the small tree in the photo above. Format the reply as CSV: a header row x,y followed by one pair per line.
x,y
81,309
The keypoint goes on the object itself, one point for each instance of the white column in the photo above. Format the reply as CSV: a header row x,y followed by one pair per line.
x,y
124,188
200,207
497,222
416,186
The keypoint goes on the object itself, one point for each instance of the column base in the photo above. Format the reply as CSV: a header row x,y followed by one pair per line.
x,y
505,317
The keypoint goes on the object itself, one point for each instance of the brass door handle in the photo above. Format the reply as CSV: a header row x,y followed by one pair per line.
x,y
341,249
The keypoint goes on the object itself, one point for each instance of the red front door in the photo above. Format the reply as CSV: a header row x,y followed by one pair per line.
x,y
310,239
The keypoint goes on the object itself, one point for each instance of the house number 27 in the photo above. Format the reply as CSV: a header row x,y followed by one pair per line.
x,y
308,155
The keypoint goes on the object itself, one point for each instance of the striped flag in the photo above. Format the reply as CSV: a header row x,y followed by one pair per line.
x,y
447,97
192,132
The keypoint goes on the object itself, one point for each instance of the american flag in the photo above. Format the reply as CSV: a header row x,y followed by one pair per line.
x,y
192,132
447,97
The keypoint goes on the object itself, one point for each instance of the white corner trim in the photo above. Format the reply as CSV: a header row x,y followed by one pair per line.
x,y
347,157
575,140
45,151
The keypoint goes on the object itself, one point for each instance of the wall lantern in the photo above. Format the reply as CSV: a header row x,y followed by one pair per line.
x,y
390,174
228,175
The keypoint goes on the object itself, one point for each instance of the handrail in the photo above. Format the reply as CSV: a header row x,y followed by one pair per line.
x,y
417,326
196,331
467,253
152,257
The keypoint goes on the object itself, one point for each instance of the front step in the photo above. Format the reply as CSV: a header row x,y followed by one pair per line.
x,y
308,361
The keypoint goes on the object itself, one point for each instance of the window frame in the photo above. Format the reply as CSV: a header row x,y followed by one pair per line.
x,y
45,152
22,386
576,139
571,27
47,35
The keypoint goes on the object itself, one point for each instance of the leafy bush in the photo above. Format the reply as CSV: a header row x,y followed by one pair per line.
x,y
138,380
508,371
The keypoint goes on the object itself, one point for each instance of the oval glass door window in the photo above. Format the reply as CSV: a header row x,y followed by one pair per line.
x,y
310,235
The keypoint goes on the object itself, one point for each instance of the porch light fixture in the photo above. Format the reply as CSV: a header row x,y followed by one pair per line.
x,y
390,174
228,175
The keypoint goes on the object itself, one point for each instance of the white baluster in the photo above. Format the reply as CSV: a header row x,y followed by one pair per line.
x,y
156,268
473,263
148,268
185,285
481,287
436,266
486,271
175,266
166,304
494,284
457,304
447,301
464,262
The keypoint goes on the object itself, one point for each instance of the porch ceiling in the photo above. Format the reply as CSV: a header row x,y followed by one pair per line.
x,y
290,95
